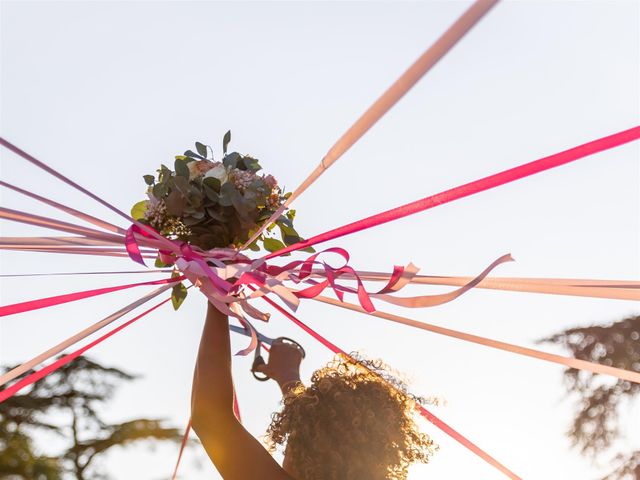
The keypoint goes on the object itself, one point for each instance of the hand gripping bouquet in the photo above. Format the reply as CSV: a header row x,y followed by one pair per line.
x,y
215,205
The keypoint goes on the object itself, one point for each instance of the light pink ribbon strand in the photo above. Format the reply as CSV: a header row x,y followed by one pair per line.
x,y
71,211
610,289
488,342
39,221
388,99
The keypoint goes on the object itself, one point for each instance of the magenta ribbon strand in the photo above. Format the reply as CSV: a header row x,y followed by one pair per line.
x,y
471,188
43,372
72,297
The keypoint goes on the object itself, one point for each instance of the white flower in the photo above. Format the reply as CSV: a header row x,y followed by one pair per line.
x,y
218,172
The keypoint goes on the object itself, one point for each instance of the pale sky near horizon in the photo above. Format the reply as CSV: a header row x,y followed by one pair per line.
x,y
106,91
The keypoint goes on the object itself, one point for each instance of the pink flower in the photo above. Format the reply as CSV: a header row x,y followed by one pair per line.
x,y
271,181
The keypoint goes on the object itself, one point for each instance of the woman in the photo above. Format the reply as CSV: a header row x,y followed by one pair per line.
x,y
353,422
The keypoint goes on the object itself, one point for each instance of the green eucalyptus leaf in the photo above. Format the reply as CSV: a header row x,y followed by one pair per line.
x,y
251,164
211,193
231,160
290,240
159,263
202,149
227,192
272,244
225,141
175,203
213,183
308,250
178,294
139,209
149,179
193,155
181,184
285,221
214,214
181,168
190,220
160,190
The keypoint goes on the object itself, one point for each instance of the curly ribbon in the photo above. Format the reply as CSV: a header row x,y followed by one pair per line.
x,y
43,372
46,355
72,297
488,342
471,188
388,99
422,410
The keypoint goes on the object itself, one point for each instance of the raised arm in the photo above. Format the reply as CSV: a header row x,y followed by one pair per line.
x,y
235,453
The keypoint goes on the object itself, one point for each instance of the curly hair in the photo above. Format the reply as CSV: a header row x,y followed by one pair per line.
x,y
355,421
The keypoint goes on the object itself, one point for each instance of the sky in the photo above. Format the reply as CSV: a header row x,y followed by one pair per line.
x,y
106,91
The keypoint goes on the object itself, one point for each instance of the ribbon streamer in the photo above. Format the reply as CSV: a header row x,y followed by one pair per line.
x,y
611,289
46,355
43,372
471,188
388,99
30,158
38,221
71,211
58,274
488,342
72,297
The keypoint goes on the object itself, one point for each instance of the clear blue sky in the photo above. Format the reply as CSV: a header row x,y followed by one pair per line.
x,y
106,91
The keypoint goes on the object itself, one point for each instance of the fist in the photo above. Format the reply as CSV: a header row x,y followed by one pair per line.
x,y
284,361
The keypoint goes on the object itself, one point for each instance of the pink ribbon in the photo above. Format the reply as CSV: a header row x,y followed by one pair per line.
x,y
72,297
43,372
471,188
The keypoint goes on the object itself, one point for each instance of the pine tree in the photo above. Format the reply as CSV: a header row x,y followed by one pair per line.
x,y
596,424
74,392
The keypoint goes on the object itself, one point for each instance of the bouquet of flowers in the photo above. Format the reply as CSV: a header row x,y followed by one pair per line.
x,y
211,204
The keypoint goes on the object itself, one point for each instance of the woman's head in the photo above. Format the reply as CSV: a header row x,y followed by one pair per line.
x,y
355,421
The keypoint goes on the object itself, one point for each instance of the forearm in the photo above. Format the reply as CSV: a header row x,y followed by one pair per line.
x,y
212,394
